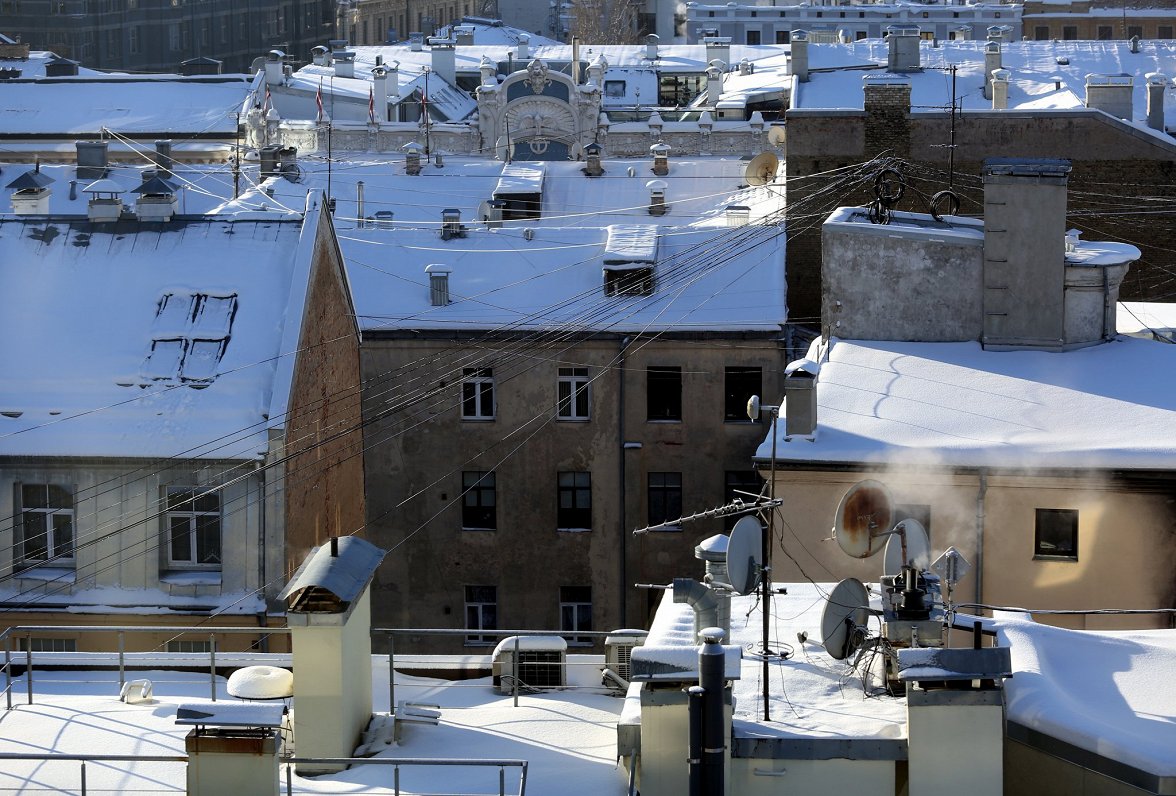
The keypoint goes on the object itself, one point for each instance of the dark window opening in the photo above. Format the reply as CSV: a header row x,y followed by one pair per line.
x,y
575,501
663,393
478,510
575,612
743,485
739,384
665,497
1056,534
629,282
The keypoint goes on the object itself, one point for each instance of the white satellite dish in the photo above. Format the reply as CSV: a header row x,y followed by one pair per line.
x,y
753,408
843,622
776,135
864,516
743,555
918,548
484,211
762,169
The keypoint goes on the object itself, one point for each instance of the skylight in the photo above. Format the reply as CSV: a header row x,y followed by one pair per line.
x,y
190,334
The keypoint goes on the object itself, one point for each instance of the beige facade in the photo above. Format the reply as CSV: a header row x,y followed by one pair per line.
x,y
379,21
539,560
1097,21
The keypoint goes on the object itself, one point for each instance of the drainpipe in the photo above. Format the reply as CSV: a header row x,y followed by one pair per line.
x,y
981,491
702,600
624,563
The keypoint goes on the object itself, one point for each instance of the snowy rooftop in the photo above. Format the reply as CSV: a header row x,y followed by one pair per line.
x,y
1044,75
173,330
954,404
552,276
1150,320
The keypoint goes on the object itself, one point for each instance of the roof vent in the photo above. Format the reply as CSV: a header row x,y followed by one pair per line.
x,y
592,165
738,215
438,284
657,197
661,160
105,201
800,59
416,41
92,159
463,35
157,198
718,47
344,63
524,47
451,224
412,158
30,195
275,74
651,42
320,55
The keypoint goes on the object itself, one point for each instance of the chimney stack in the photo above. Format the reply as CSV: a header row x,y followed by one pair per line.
x,y
800,401
718,48
344,63
1000,89
661,158
991,64
800,59
275,74
651,42
714,81
1110,94
1157,84
902,53
524,50
657,197
380,93
444,59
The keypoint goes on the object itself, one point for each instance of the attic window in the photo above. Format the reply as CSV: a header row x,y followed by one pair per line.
x,y
629,282
614,88
189,337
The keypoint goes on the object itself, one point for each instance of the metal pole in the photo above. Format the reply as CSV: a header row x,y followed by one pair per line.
x,y
29,666
694,696
212,665
83,778
359,202
951,148
289,785
514,666
396,779
8,670
501,781
711,663
766,577
391,674
122,666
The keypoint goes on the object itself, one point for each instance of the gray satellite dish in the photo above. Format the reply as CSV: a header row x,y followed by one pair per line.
x,y
743,555
918,548
843,622
762,169
864,516
776,135
484,211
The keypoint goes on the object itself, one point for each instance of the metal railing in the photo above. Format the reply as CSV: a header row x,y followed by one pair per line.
x,y
396,764
83,759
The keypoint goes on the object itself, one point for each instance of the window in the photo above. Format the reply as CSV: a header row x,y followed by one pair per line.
x,y
753,37
742,485
25,644
173,37
477,503
1056,535
1134,31
477,394
861,34
481,606
1104,32
665,497
739,384
1164,32
190,335
572,391
614,88
185,645
1041,33
575,612
783,37
44,532
663,393
628,282
1070,32
575,501
193,527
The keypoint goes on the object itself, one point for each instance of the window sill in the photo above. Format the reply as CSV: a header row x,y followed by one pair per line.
x,y
477,419
191,577
572,419
663,420
573,530
56,574
1040,557
479,530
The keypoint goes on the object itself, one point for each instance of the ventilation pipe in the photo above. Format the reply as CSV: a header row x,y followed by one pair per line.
x,y
359,204
991,64
657,197
714,81
746,67
275,75
1000,89
661,162
592,165
320,55
902,53
655,125
718,48
800,402
704,601
380,92
712,678
451,223
268,157
438,284
1156,85
412,158
800,59
1135,44
444,59
524,51
651,42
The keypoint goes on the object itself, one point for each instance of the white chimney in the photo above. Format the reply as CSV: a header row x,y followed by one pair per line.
x,y
438,284
416,41
714,81
651,42
444,59
718,48
902,53
1000,89
380,93
991,64
1157,84
1110,94
30,193
105,203
524,52
800,60
657,197
275,75
655,123
463,35
344,64
320,55
489,71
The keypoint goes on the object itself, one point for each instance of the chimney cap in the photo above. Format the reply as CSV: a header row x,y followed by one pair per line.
x,y
660,148
438,268
30,180
656,185
104,185
413,148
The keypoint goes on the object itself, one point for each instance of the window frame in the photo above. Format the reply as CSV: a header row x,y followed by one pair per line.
x,y
57,551
661,496
573,487
575,614
573,394
192,496
737,480
662,407
477,394
736,381
476,609
1043,518
474,487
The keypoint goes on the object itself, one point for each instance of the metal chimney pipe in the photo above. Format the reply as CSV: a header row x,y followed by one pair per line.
x,y
359,204
711,661
334,547
695,695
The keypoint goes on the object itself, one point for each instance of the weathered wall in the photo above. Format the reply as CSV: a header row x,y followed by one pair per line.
x,y
323,471
1115,165
418,447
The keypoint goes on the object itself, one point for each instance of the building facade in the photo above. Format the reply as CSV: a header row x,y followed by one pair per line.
x,y
1093,21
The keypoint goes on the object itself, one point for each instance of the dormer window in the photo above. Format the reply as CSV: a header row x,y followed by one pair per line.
x,y
630,256
629,282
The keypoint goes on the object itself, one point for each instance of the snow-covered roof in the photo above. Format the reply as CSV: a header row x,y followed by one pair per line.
x,y
954,404
152,340
34,65
126,105
547,272
1150,320
1044,75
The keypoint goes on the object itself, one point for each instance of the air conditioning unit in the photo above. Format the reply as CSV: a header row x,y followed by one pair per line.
x,y
542,663
618,648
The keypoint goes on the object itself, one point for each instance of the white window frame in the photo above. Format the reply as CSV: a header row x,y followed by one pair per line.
x,y
575,608
55,552
477,393
573,387
188,513
475,616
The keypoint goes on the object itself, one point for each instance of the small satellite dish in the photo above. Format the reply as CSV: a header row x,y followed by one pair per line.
x,y
844,619
753,408
863,517
743,555
484,211
918,548
762,169
776,135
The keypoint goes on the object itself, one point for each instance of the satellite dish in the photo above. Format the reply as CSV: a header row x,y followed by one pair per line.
x,y
918,548
753,408
844,619
484,211
743,555
863,517
776,135
762,169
